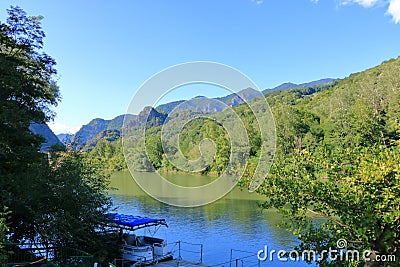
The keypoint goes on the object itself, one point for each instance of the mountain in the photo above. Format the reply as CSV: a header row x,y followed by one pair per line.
x,y
204,104
361,110
148,115
197,104
287,86
207,105
96,129
233,100
44,131
168,107
116,123
109,135
65,138
90,132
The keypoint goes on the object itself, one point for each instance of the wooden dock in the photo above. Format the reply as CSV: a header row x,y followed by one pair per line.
x,y
181,263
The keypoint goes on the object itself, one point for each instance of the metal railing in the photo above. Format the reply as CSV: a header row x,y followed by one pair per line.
x,y
244,259
194,253
182,248
43,255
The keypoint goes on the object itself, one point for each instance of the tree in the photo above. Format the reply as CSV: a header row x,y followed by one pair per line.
x,y
344,184
76,203
61,200
27,91
3,235
353,192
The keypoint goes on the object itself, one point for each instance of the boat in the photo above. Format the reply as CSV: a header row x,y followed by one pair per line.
x,y
140,249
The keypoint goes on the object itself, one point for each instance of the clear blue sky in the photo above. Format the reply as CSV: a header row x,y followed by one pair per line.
x,y
106,49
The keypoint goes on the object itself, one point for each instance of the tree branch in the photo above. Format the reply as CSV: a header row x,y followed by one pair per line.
x,y
327,217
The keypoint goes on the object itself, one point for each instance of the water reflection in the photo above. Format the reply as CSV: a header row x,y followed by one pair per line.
x,y
233,222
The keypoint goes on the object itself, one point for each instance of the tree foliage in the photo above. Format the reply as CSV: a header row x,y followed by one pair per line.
x,y
344,182
57,200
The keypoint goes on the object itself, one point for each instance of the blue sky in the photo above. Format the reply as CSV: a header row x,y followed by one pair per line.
x,y
106,49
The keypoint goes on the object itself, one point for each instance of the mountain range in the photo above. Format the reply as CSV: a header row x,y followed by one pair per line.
x,y
98,128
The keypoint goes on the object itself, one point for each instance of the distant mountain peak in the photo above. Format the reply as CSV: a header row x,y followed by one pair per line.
x,y
148,113
289,85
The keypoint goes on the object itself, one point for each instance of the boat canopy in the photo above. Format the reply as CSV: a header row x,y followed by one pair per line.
x,y
135,222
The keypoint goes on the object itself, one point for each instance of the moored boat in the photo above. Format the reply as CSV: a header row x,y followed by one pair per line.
x,y
140,249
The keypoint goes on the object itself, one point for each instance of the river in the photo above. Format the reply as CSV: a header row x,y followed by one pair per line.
x,y
233,224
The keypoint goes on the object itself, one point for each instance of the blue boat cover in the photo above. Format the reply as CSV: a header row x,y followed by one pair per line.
x,y
135,221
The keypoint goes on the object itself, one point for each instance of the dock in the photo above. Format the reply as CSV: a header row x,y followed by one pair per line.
x,y
181,263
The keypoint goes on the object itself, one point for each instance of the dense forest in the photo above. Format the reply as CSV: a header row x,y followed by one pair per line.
x,y
360,110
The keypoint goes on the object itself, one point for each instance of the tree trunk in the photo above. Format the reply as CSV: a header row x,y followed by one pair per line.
x,y
371,260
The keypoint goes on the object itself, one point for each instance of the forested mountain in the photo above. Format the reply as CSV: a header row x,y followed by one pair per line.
x,y
358,110
90,132
286,86
338,159
207,105
233,100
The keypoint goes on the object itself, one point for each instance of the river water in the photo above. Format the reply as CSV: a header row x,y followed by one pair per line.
x,y
233,225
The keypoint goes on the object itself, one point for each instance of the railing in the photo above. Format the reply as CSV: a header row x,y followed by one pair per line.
x,y
182,248
238,258
72,257
244,259
194,252
40,254
124,262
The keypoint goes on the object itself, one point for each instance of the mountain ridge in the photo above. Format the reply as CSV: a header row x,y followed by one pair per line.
x,y
90,132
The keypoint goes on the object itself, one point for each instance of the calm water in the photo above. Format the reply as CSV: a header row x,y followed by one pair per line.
x,y
234,222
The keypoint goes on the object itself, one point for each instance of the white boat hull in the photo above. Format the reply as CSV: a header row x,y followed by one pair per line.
x,y
144,249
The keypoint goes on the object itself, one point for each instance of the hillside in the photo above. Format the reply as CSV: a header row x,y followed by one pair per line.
x,y
359,110
90,132
203,104
287,86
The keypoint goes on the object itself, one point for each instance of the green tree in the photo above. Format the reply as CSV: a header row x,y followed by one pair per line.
x,y
343,183
58,200
3,234
27,90
354,193
76,204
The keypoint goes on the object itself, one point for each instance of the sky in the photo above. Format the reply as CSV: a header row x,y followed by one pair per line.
x,y
105,50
